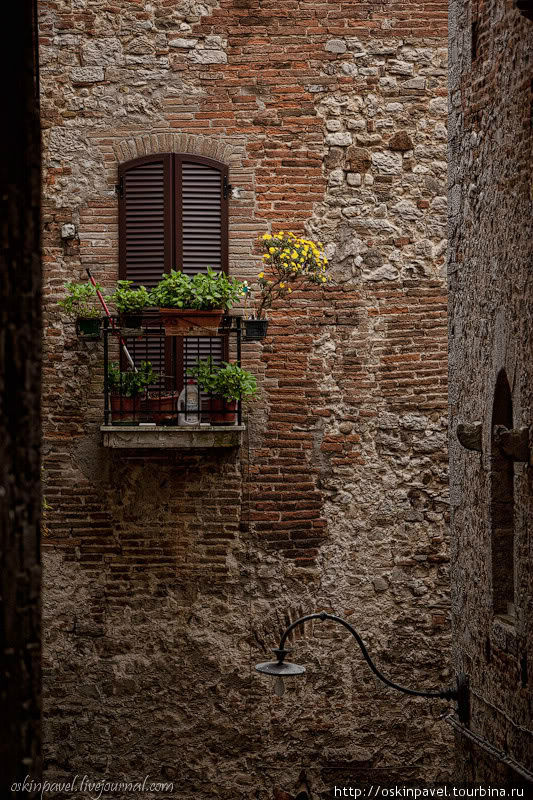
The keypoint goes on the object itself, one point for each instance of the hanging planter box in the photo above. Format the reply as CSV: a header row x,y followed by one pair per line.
x,y
88,328
255,329
129,320
189,322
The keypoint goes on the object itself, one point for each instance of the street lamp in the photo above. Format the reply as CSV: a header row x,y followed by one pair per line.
x,y
282,669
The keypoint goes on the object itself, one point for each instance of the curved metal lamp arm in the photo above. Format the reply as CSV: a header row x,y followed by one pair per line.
x,y
446,694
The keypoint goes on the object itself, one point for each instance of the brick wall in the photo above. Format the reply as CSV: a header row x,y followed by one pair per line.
x,y
170,576
490,331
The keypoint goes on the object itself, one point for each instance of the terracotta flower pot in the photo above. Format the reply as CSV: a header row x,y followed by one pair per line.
x,y
160,408
190,322
218,411
125,409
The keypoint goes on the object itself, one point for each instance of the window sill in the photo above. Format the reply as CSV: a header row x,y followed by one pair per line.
x,y
135,437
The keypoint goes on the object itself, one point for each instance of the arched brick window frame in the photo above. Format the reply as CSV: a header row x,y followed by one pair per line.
x,y
502,504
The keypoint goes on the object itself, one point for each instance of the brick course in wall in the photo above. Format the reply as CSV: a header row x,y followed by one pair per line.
x,y
169,576
490,330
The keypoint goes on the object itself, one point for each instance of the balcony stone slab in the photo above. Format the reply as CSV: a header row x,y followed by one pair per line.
x,y
140,437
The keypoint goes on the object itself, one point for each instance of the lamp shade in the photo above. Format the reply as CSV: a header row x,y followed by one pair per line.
x,y
283,670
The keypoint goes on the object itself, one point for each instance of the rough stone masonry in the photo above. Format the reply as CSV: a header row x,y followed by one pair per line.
x,y
169,576
491,331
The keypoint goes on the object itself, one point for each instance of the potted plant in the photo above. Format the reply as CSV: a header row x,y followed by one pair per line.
x,y
129,303
225,384
127,387
194,306
288,261
81,304
160,406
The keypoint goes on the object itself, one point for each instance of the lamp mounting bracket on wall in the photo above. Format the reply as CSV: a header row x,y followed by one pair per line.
x,y
280,669
227,188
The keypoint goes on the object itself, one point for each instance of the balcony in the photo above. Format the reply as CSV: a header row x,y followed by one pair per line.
x,y
154,404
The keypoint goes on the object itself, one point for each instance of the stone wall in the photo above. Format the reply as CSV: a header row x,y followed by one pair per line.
x,y
169,576
490,331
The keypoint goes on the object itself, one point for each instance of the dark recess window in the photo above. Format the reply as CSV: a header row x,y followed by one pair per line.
x,y
502,504
173,214
474,42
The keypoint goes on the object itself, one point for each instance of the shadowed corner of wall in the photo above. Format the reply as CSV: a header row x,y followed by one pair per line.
x,y
302,792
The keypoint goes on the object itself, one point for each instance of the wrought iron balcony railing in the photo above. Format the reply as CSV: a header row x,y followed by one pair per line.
x,y
171,397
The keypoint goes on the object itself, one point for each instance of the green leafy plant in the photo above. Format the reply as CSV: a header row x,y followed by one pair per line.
x,y
224,380
81,300
127,300
130,383
204,291
204,372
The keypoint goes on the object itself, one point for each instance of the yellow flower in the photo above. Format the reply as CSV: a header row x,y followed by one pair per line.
x,y
282,286
294,254
267,236
266,256
290,290
261,275
271,249
324,280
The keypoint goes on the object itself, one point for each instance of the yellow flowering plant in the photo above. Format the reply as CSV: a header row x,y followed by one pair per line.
x,y
288,261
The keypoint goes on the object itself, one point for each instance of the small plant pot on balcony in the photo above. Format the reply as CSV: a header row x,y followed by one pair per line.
x,y
160,409
133,321
125,409
189,322
88,327
218,411
255,329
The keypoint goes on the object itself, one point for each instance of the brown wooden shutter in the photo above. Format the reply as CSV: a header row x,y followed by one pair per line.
x,y
201,236
145,241
146,219
201,215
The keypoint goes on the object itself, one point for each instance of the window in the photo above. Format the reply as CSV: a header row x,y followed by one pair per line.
x,y
173,214
502,504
